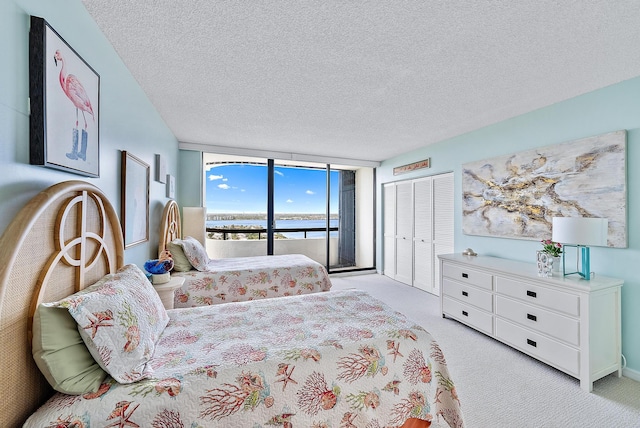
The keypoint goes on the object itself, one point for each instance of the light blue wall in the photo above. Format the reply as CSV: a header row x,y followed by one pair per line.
x,y
190,179
613,108
128,121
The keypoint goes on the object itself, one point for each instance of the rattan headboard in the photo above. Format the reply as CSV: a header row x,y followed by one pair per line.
x,y
170,225
67,237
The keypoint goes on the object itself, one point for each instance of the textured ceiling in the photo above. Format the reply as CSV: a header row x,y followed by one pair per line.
x,y
363,80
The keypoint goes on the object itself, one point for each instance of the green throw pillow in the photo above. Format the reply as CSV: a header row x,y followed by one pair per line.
x,y
61,354
180,261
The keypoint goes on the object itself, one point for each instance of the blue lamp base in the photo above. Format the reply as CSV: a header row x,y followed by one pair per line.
x,y
582,256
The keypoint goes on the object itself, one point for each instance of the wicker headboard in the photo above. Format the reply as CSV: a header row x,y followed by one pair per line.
x,y
170,225
66,238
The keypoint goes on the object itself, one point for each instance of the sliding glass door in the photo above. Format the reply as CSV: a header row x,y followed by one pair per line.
x,y
313,209
303,225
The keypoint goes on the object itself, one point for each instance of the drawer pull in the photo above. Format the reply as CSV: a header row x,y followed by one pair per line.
x,y
465,275
465,294
532,343
532,317
531,293
465,313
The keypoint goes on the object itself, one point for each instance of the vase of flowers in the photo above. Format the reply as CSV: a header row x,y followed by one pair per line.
x,y
544,264
552,249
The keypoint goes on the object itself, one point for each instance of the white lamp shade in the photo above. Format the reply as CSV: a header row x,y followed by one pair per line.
x,y
193,223
580,231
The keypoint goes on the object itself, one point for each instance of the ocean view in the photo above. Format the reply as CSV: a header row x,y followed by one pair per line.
x,y
280,224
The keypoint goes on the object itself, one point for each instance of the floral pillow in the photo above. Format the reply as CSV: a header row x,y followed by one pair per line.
x,y
120,319
195,252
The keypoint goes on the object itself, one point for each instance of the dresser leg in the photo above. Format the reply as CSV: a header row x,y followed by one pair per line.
x,y
586,385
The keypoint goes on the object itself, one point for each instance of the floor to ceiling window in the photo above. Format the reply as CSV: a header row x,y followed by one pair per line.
x,y
323,211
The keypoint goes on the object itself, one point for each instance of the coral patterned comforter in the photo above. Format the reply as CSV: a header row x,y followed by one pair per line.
x,y
336,359
249,278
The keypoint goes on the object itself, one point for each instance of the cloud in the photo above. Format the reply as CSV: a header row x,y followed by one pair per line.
x,y
224,186
310,192
289,201
275,171
225,179
213,177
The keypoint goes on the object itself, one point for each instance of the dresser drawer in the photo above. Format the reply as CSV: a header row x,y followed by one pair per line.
x,y
468,294
550,323
548,350
467,314
469,276
546,297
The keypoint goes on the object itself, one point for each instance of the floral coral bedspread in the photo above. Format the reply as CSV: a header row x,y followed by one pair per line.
x,y
249,278
340,359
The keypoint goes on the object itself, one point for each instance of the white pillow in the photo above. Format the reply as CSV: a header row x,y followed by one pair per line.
x,y
120,319
195,252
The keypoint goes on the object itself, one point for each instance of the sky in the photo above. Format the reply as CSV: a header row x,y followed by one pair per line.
x,y
242,188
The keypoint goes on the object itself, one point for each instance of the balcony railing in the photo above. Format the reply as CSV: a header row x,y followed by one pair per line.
x,y
262,231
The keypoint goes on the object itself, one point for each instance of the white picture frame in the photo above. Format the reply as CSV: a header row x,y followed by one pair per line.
x,y
134,200
161,169
171,186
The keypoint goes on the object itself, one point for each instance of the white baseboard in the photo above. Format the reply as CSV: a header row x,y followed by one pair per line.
x,y
352,273
631,374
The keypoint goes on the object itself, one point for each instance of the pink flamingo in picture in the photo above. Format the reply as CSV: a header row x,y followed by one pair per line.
x,y
74,90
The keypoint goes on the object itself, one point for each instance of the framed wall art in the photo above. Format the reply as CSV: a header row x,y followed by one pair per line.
x,y
135,200
64,94
517,195
171,186
161,169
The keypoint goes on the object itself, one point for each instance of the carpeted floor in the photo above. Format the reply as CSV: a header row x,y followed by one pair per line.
x,y
501,387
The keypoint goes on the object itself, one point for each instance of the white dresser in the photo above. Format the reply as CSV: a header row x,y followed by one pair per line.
x,y
566,322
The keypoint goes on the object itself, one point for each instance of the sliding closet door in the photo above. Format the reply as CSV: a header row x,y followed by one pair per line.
x,y
389,229
442,222
422,238
418,225
404,232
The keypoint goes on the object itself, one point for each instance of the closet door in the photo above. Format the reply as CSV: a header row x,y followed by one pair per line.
x,y
422,238
443,232
389,230
404,232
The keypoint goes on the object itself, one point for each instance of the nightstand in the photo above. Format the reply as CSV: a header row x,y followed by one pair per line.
x,y
166,290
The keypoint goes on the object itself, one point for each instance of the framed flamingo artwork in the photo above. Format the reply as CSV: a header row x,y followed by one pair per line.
x,y
64,94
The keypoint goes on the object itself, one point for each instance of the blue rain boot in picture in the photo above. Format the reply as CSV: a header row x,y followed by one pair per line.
x,y
74,150
82,154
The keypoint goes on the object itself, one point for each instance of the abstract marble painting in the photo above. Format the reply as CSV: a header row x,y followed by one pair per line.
x,y
517,195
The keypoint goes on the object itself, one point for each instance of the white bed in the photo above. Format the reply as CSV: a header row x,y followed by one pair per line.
x,y
238,279
340,359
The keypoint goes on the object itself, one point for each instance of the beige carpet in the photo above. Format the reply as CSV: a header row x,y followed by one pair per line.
x,y
501,387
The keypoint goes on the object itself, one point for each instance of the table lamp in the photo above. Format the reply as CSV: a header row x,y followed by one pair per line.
x,y
579,232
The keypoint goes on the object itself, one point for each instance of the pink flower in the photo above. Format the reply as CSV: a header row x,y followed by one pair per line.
x,y
554,249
